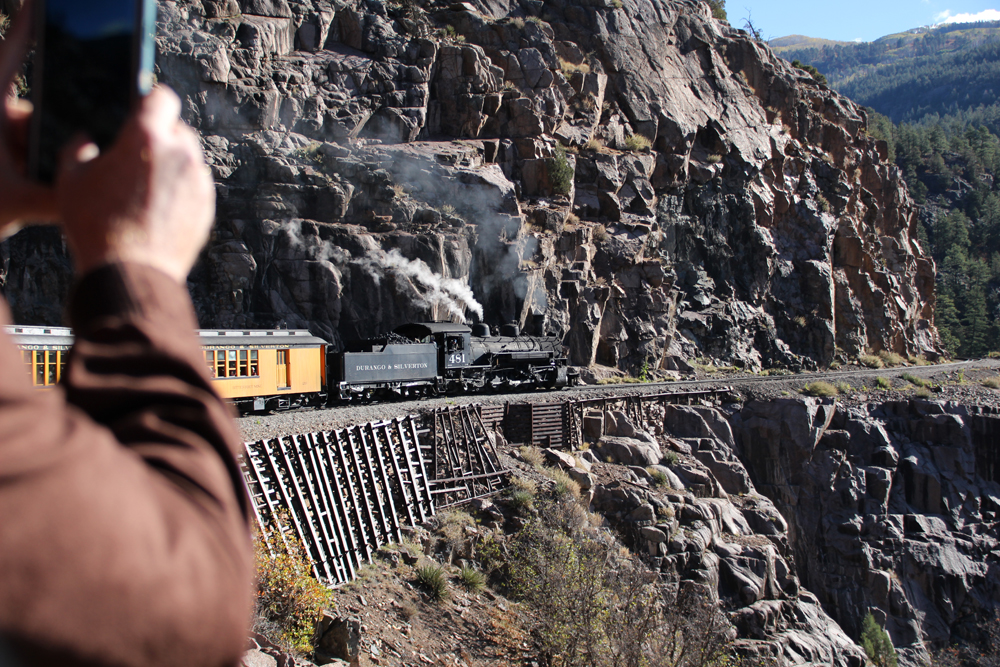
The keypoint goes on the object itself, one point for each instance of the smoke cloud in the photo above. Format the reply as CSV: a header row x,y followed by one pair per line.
x,y
449,293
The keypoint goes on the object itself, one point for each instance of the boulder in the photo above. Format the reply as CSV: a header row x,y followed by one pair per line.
x,y
644,513
337,638
275,8
629,451
561,459
673,481
257,658
583,478
593,424
220,9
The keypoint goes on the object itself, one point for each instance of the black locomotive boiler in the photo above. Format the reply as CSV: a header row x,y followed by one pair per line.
x,y
441,357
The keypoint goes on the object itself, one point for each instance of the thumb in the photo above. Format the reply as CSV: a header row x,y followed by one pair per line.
x,y
77,153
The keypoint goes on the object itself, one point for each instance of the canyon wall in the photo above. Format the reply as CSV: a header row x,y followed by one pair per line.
x,y
380,162
802,516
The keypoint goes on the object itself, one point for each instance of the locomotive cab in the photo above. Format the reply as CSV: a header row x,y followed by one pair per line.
x,y
454,350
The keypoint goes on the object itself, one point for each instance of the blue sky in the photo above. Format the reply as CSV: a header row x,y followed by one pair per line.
x,y
851,20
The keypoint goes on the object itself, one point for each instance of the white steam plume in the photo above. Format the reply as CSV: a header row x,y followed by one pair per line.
x,y
453,295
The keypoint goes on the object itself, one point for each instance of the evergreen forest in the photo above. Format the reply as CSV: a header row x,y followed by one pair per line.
x,y
932,96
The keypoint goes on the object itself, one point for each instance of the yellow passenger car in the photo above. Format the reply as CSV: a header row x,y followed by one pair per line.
x,y
266,369
257,370
44,351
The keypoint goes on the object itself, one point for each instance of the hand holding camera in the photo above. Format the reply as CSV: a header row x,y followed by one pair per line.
x,y
147,195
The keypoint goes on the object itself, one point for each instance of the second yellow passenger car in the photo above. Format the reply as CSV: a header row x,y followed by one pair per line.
x,y
262,370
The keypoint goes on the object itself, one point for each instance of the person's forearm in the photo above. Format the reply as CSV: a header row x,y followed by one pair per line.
x,y
138,369
124,538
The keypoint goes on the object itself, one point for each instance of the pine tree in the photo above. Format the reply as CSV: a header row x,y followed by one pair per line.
x,y
718,9
946,318
876,643
976,325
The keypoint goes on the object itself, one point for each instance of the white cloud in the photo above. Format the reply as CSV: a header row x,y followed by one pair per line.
x,y
985,15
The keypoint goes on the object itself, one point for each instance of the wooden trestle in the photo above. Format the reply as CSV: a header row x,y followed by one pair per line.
x,y
343,494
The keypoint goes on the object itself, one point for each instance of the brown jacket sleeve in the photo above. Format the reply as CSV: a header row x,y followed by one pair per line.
x,y
123,532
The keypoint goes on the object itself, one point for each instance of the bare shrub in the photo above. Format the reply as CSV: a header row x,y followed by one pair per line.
x,y
982,651
592,603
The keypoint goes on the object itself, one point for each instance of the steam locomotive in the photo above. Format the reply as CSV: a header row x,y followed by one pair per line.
x,y
265,370
439,357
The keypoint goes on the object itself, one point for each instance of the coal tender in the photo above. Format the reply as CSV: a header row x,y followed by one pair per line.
x,y
432,358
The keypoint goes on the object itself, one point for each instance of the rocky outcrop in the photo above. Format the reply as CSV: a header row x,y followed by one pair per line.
x,y
715,202
704,526
891,509
807,516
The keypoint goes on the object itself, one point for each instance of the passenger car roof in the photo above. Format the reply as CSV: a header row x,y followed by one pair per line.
x,y
258,337
42,337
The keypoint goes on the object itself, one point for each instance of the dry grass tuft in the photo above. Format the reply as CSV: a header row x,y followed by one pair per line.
x,y
637,143
871,361
531,455
891,359
819,388
569,69
914,380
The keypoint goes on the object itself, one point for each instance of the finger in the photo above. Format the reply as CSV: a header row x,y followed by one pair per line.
x,y
160,110
18,123
27,203
14,46
16,132
78,152
19,109
32,202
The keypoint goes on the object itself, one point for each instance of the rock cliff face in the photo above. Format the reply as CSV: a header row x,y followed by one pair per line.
x,y
891,509
380,162
803,516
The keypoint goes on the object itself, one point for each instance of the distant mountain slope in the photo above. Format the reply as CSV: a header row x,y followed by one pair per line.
x,y
908,75
798,42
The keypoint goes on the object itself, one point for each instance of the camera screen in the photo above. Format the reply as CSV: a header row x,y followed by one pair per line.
x,y
86,74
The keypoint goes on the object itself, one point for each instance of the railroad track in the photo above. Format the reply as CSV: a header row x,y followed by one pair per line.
x,y
320,419
807,377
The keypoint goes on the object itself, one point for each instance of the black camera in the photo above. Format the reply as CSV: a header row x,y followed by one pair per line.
x,y
93,61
